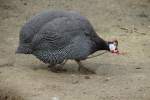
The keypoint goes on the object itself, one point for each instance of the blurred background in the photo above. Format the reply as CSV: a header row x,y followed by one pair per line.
x,y
124,77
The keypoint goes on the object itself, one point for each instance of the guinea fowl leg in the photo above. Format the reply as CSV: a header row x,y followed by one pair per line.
x,y
63,63
58,68
51,65
83,69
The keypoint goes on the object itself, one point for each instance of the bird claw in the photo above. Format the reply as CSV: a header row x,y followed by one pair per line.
x,y
57,69
85,70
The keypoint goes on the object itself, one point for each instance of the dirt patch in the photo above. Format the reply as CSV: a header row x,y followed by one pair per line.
x,y
118,77
7,94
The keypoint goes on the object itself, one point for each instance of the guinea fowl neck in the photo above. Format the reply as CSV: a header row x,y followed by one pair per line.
x,y
101,44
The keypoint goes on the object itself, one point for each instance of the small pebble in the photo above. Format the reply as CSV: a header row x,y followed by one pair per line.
x,y
107,79
87,77
138,68
55,98
126,88
143,33
75,82
25,3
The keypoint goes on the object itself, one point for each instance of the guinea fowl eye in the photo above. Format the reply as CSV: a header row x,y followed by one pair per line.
x,y
115,42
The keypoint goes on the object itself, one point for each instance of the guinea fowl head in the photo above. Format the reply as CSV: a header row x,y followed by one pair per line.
x,y
113,46
101,44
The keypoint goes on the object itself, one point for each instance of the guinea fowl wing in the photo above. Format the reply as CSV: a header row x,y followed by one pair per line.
x,y
61,39
53,35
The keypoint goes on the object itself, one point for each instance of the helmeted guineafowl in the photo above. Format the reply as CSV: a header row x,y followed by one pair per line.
x,y
56,36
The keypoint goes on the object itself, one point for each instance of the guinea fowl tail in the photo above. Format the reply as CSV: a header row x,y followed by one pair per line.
x,y
24,49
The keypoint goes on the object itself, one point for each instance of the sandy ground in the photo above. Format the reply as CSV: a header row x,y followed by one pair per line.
x,y
124,77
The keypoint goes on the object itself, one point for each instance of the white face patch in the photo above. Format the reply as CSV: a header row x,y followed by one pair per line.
x,y
112,47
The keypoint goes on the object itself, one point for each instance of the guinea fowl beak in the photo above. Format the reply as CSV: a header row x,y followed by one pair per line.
x,y
115,51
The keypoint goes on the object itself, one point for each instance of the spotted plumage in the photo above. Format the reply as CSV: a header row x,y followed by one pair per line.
x,y
55,36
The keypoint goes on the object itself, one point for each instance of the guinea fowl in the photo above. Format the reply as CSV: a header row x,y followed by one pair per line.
x,y
56,36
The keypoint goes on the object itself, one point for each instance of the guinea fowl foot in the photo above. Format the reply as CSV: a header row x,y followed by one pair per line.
x,y
83,69
58,68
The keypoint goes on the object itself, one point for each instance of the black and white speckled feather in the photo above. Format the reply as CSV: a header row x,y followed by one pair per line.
x,y
54,36
79,48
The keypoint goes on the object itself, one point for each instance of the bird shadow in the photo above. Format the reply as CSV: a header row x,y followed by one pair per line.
x,y
69,68
104,69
